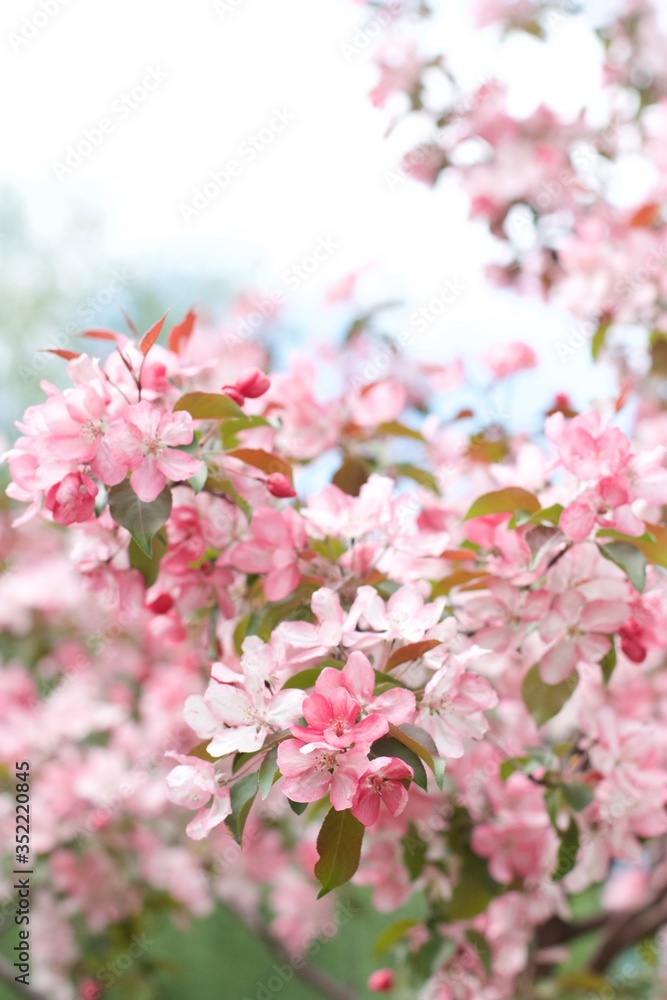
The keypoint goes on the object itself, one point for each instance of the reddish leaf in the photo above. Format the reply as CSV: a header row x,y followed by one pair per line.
x,y
352,475
67,355
459,578
181,333
458,555
645,216
151,336
411,652
130,325
263,460
100,334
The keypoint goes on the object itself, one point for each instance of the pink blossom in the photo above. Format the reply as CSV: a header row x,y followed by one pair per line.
x,y
192,784
312,769
405,615
518,840
605,505
586,448
453,707
276,537
506,359
333,719
382,782
143,442
358,677
578,630
240,717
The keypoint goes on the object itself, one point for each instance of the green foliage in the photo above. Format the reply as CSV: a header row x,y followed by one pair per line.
x,y
142,520
339,849
542,700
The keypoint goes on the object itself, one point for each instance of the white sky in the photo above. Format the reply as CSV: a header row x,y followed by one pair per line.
x,y
323,176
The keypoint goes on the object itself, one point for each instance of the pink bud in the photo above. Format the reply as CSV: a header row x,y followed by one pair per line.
x,y
279,485
381,981
252,383
72,499
90,989
233,393
161,605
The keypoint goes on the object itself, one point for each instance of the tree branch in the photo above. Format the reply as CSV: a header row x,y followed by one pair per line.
x,y
310,974
627,932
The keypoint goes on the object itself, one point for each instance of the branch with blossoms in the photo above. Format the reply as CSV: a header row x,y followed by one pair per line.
x,y
545,184
429,693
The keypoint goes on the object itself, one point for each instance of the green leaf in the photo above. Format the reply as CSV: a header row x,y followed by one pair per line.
x,y
220,484
547,515
418,740
543,701
352,475
304,679
149,566
142,520
386,682
339,849
577,795
298,807
231,428
474,890
567,852
527,764
506,501
296,607
482,947
414,852
242,794
397,429
608,661
420,476
597,343
653,543
630,559
201,752
208,406
388,746
554,801
268,772
392,935
510,766
198,481
329,548
240,634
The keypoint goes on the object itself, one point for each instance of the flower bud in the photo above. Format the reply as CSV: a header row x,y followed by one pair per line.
x,y
252,383
279,485
381,981
233,393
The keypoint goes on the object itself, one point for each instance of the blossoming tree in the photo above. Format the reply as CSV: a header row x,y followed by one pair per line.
x,y
435,674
